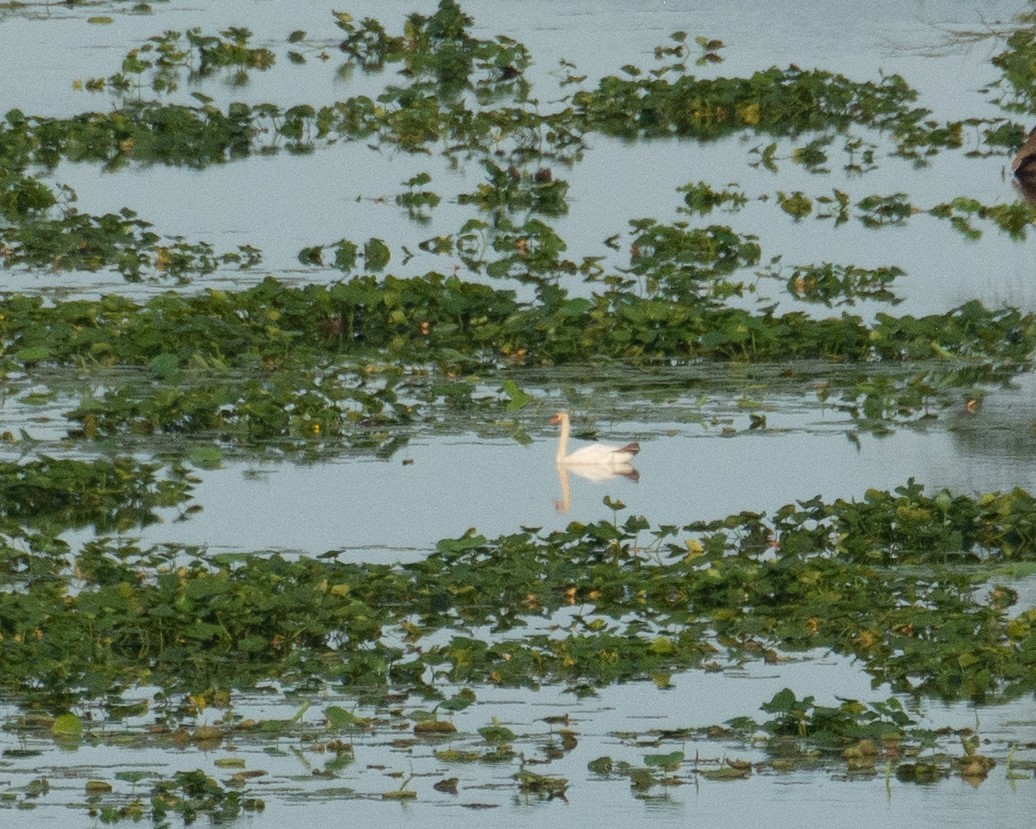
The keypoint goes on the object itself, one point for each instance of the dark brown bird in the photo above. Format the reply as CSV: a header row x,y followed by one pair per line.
x,y
1023,165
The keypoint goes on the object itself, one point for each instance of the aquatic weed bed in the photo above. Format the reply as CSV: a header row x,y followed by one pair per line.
x,y
909,586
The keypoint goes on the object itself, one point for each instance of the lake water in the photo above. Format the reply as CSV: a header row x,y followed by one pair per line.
x,y
700,459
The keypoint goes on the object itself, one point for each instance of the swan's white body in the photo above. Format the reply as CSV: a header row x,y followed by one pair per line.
x,y
613,458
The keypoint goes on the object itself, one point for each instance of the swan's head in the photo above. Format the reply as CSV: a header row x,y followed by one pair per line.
x,y
558,418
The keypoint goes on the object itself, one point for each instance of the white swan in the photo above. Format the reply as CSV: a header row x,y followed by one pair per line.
x,y
597,462
599,455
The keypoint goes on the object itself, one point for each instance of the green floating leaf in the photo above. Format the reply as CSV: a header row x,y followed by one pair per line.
x,y
399,794
345,255
418,180
376,254
33,354
576,307
166,366
725,773
454,755
460,545
669,762
602,765
529,782
67,725
339,718
205,457
518,398
496,733
461,700
641,779
522,437
434,727
797,205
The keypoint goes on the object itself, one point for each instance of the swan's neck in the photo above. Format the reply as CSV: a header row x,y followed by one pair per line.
x,y
563,440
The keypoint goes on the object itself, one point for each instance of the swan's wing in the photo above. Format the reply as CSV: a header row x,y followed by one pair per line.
x,y
602,453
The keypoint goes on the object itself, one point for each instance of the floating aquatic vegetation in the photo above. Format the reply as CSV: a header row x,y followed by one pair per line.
x,y
1018,84
283,408
300,366
660,757
891,580
781,101
441,63
852,738
326,409
439,51
418,203
907,584
876,211
159,63
436,316
53,494
188,794
121,241
680,263
836,285
511,189
1015,218
700,198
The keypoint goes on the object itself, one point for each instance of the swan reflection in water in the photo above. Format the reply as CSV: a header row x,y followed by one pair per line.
x,y
596,462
